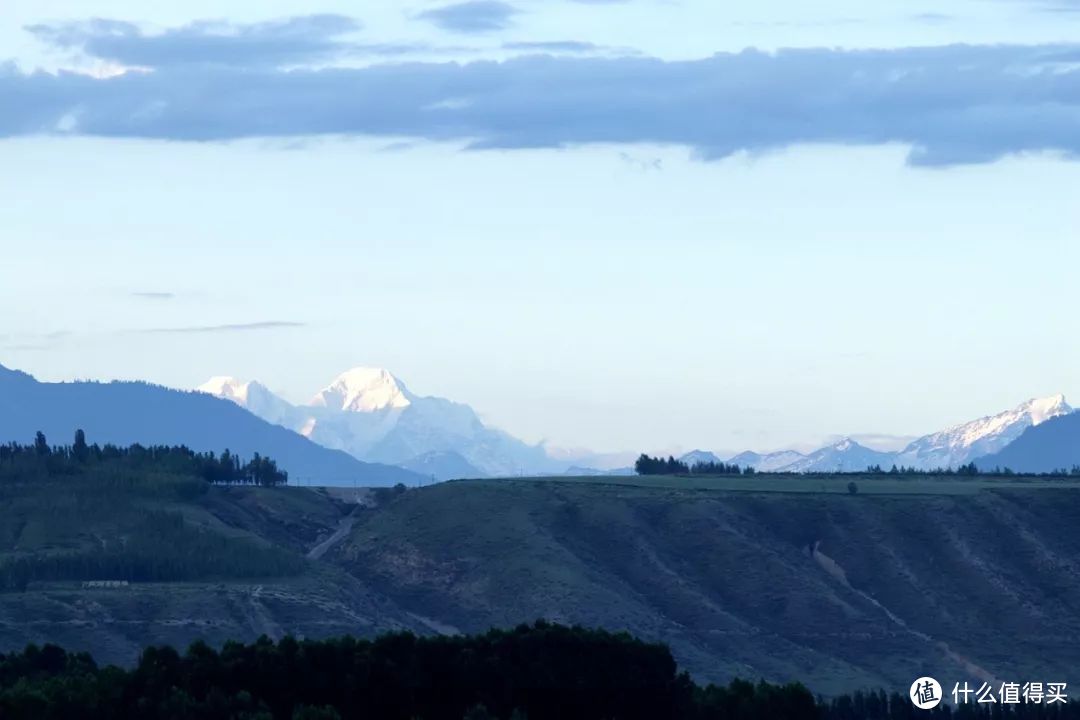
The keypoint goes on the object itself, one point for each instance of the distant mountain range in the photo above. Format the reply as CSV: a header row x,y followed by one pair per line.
x,y
370,414
124,413
366,427
987,441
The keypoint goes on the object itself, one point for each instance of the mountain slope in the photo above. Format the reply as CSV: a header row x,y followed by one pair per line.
x,y
124,413
442,465
370,414
963,443
769,462
1046,447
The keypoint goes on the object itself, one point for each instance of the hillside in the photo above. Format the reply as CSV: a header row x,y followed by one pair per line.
x,y
780,577
838,591
121,555
124,413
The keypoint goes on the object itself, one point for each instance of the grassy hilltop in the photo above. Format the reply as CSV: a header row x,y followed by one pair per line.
x,y
781,578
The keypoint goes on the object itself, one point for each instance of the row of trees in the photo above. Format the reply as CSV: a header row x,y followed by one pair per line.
x,y
647,465
537,672
27,461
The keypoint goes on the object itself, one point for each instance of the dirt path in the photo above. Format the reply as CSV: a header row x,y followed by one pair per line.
x,y
344,526
833,568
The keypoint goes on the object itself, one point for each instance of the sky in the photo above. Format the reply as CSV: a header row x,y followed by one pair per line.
x,y
648,224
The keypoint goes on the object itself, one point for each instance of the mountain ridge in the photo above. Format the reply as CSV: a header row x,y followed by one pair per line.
x,y
124,413
1047,447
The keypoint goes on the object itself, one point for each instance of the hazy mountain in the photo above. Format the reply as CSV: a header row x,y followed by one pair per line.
x,y
769,462
124,413
844,456
442,465
961,444
580,471
1051,445
370,414
585,458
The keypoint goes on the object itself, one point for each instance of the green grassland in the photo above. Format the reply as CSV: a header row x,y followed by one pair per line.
x,y
869,484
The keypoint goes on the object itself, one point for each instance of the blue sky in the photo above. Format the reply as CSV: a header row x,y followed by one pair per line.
x,y
620,225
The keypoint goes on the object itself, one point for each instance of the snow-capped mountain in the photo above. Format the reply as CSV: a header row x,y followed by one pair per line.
x,y
369,413
964,443
953,447
251,395
844,456
363,390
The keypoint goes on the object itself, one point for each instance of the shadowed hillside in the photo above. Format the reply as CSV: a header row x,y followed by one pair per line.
x,y
1053,445
839,591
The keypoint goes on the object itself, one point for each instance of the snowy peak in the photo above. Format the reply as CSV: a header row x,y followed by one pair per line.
x,y
252,396
364,390
1047,408
227,387
1032,412
961,444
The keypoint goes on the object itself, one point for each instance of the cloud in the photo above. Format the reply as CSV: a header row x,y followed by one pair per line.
x,y
1054,6
154,295
474,16
237,327
951,105
553,46
293,40
33,341
933,18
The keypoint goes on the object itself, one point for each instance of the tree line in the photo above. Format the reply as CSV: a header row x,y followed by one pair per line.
x,y
161,546
533,672
648,465
22,462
